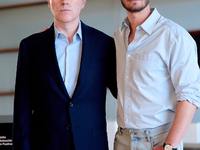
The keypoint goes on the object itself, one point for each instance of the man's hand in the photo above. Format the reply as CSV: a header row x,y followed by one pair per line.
x,y
44,30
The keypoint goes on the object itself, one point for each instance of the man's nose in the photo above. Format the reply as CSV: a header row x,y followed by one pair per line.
x,y
64,2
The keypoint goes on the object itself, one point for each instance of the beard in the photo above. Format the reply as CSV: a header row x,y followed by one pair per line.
x,y
132,8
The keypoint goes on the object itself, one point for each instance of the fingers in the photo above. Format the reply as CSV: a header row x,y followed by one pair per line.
x,y
44,30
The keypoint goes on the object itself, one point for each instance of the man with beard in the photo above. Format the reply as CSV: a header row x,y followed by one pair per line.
x,y
158,80
62,78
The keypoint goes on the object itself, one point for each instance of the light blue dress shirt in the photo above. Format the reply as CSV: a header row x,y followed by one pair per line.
x,y
155,71
69,57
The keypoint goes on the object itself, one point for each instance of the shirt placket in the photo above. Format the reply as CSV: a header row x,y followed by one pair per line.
x,y
128,77
127,98
127,92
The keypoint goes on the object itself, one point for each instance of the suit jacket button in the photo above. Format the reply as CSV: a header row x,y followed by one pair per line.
x,y
68,127
71,104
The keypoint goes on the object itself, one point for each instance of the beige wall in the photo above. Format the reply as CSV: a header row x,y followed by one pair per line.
x,y
105,15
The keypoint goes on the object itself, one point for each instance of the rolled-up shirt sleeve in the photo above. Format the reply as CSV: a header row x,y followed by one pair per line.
x,y
184,70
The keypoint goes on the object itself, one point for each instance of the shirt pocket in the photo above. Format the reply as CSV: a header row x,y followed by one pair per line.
x,y
145,67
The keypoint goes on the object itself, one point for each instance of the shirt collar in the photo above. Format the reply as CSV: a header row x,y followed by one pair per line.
x,y
149,23
79,32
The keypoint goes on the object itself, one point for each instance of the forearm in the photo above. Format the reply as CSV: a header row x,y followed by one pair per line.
x,y
183,117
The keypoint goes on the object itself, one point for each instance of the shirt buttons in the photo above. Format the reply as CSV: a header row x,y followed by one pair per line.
x,y
127,119
129,55
67,83
68,66
127,77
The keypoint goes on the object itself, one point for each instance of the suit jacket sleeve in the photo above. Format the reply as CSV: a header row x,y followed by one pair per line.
x,y
111,68
22,106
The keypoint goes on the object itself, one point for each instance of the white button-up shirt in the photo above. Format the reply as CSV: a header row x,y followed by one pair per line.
x,y
155,71
69,57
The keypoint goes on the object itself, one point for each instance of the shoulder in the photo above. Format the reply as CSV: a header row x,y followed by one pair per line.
x,y
36,36
175,30
177,39
91,31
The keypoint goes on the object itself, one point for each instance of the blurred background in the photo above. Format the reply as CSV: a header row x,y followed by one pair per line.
x,y
20,18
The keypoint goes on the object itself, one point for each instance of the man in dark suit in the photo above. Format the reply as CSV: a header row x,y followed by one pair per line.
x,y
62,77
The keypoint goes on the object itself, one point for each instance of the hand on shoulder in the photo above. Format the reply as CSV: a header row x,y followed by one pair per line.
x,y
44,30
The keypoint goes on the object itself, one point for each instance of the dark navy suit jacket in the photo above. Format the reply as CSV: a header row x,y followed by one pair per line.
x,y
45,117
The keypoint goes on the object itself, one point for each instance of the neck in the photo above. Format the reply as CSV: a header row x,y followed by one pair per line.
x,y
69,29
136,19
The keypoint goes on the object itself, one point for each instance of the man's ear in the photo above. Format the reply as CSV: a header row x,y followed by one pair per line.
x,y
48,1
83,4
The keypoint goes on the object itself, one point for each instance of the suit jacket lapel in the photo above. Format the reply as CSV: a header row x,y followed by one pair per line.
x,y
89,44
46,46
